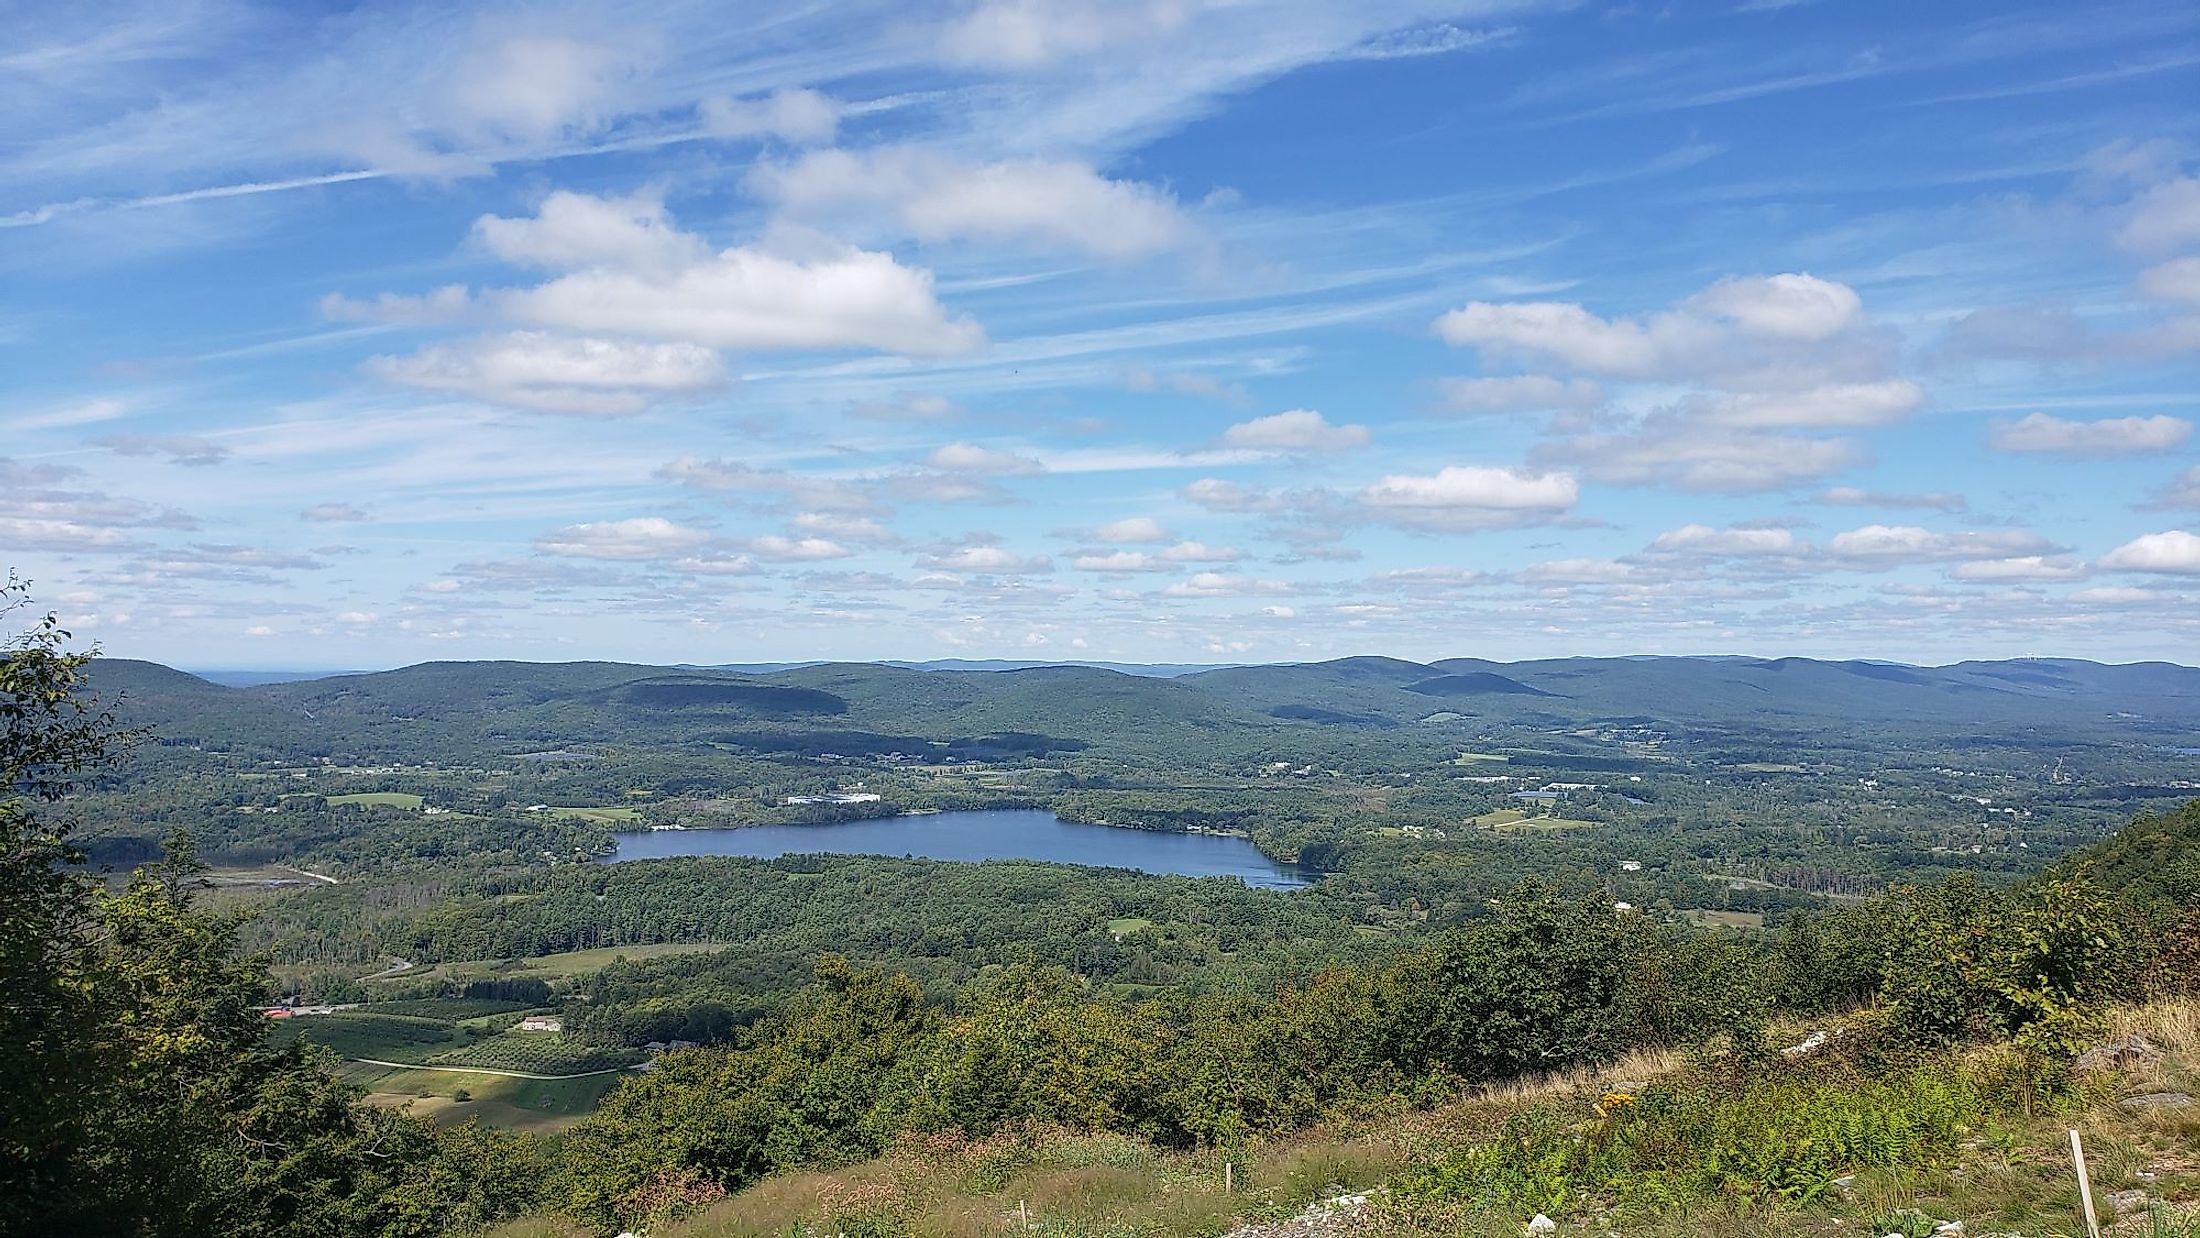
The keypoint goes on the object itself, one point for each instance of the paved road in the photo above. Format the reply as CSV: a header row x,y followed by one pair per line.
x,y
484,1070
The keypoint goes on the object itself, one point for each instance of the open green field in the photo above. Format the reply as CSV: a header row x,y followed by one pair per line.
x,y
401,1038
1726,919
439,1055
1514,821
540,1105
1477,758
555,967
1123,926
487,1042
601,816
379,799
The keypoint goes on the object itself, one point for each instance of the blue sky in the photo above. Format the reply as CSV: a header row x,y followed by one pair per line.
x,y
1158,330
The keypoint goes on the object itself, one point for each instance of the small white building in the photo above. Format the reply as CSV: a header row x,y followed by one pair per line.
x,y
541,1023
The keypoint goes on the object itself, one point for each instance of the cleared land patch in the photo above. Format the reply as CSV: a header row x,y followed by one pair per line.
x,y
554,967
380,799
1514,821
601,816
539,1105
1726,919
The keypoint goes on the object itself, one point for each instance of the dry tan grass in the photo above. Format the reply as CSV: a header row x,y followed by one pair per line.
x,y
2174,1024
1640,1065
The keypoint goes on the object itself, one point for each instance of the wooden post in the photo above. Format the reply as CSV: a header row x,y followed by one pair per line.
x,y
2085,1186
1023,1209
1229,1179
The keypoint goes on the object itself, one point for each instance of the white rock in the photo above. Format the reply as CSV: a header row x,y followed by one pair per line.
x,y
1542,1225
1809,1044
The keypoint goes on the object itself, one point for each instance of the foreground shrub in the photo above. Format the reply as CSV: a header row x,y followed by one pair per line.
x,y
1782,1140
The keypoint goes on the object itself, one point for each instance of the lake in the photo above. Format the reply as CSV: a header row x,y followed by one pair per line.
x,y
1001,834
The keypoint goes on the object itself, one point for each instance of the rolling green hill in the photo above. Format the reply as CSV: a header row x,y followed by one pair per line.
x,y
1735,693
508,708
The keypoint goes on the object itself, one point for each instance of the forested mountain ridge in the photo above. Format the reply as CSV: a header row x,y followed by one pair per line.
x,y
496,705
582,701
1731,691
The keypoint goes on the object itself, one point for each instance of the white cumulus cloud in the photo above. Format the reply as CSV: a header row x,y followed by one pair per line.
x,y
1703,539
1118,561
1132,530
2174,551
987,560
1470,497
837,297
1723,326
639,539
1788,307
1475,486
559,373
573,231
1880,545
1300,429
797,549
1223,584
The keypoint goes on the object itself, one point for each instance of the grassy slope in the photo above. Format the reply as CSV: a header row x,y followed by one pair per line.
x,y
538,1105
2011,1176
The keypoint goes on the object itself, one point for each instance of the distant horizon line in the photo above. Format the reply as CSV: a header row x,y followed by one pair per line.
x,y
272,674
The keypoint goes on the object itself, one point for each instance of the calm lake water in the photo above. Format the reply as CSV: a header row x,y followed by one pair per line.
x,y
1022,834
